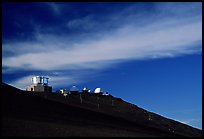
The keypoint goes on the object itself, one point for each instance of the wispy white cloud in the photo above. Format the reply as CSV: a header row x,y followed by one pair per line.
x,y
21,83
85,24
128,43
57,78
55,7
166,33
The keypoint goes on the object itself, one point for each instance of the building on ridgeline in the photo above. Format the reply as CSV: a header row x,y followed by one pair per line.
x,y
39,84
74,89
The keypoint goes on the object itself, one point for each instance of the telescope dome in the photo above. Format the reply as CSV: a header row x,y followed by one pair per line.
x,y
97,90
74,88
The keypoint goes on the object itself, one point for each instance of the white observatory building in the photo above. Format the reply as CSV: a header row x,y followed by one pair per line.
x,y
39,84
98,90
74,89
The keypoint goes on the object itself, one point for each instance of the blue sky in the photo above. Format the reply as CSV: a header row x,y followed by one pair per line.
x,y
149,54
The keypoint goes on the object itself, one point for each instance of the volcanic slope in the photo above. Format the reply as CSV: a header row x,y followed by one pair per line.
x,y
88,115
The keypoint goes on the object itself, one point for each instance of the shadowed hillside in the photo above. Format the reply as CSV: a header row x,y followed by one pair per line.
x,y
39,114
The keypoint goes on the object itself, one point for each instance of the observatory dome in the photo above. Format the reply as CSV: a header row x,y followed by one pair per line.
x,y
85,88
97,90
74,89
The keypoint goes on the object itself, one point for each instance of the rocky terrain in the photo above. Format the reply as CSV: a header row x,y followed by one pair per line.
x,y
81,114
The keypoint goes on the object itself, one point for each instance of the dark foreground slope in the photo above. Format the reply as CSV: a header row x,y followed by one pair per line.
x,y
28,114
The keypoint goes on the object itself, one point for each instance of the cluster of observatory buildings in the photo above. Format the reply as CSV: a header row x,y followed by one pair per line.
x,y
40,84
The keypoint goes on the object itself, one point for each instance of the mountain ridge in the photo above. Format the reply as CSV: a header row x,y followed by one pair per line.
x,y
95,115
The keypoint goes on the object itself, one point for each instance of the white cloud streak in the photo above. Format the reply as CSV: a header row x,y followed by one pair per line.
x,y
55,7
128,43
169,33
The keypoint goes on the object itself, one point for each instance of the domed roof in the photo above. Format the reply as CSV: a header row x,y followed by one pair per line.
x,y
74,88
97,90
85,88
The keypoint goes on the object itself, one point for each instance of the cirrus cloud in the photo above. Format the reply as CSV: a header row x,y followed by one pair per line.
x,y
172,29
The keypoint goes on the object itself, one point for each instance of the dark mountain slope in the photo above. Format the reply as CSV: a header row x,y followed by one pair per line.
x,y
37,114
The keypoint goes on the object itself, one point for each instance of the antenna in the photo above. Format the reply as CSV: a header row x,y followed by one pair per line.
x,y
98,105
150,117
80,98
98,101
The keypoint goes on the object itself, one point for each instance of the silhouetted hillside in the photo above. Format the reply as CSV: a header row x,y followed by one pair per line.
x,y
39,114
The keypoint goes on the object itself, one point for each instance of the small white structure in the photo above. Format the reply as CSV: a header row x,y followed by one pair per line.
x,y
64,91
74,89
150,117
98,90
105,94
85,90
39,84
40,80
